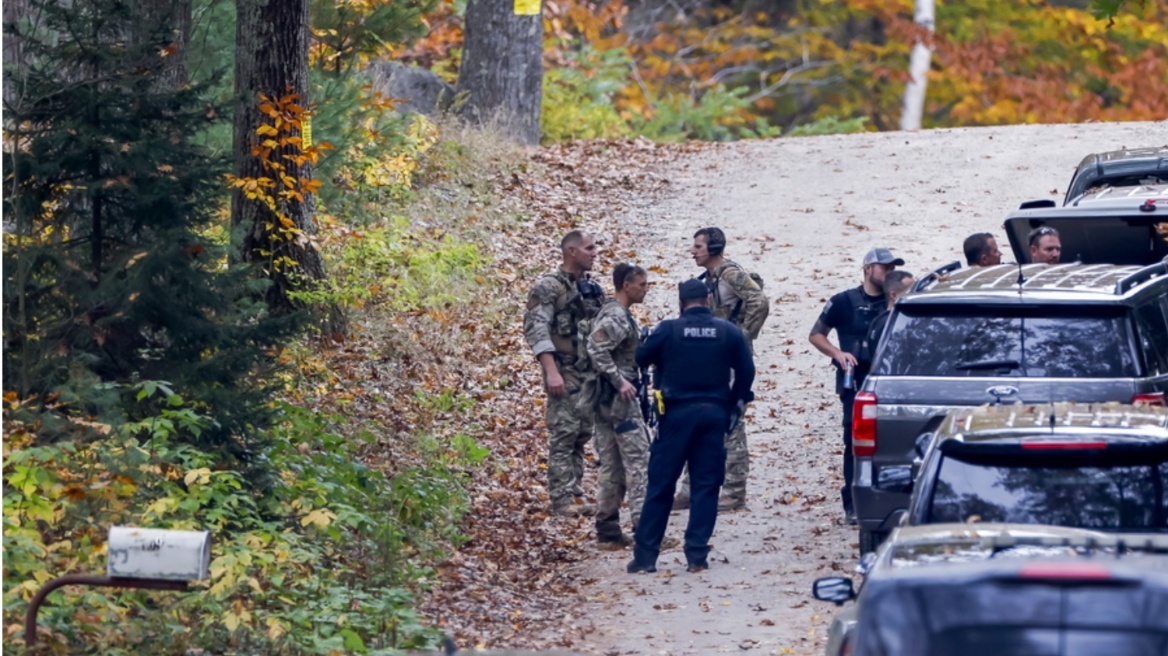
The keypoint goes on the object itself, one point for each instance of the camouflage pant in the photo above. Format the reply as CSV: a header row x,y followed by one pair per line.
x,y
622,442
737,465
569,429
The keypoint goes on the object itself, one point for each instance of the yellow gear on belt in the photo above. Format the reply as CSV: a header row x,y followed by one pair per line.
x,y
660,401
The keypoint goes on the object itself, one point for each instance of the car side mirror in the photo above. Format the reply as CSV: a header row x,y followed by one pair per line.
x,y
922,444
898,516
836,589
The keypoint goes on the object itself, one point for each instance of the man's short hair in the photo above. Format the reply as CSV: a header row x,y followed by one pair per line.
x,y
897,282
625,272
693,290
572,240
1039,233
715,239
975,246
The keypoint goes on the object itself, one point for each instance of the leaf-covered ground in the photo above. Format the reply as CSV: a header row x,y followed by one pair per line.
x,y
465,369
513,584
800,211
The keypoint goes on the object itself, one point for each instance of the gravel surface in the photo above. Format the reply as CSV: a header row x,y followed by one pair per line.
x,y
802,212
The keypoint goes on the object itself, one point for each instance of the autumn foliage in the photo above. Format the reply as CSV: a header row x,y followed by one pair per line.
x,y
733,69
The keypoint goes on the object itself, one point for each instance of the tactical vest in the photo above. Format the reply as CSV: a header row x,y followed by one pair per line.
x,y
625,354
731,314
575,306
852,335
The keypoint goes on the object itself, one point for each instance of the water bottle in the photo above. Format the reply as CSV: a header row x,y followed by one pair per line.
x,y
849,378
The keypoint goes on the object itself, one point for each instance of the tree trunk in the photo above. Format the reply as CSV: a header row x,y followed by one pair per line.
x,y
167,21
914,91
271,59
14,55
502,68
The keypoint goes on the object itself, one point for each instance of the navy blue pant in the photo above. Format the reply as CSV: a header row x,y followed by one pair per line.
x,y
847,397
693,434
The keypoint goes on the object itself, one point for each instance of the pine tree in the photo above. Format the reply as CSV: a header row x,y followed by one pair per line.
x,y
112,270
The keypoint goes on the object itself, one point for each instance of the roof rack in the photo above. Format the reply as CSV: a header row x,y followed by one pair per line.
x,y
1141,275
935,274
1148,543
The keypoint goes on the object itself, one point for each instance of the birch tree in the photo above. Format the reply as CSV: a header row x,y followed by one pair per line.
x,y
922,53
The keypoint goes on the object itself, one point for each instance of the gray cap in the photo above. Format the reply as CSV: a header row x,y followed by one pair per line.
x,y
692,289
882,256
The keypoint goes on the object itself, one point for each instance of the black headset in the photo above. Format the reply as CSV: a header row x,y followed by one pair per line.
x,y
715,241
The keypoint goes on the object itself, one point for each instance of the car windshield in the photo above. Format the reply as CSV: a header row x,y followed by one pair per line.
x,y
1037,342
1083,491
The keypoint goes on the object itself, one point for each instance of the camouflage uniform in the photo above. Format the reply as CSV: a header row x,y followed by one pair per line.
x,y
738,298
555,309
621,437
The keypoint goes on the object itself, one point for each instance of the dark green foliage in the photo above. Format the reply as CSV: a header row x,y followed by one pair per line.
x,y
115,260
347,35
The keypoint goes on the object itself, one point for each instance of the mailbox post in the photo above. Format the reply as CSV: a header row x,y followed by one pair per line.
x,y
153,559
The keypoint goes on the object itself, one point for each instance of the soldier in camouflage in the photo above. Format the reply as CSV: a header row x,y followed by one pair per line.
x,y
622,440
739,299
558,304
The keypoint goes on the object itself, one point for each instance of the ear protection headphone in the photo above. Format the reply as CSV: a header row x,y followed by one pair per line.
x,y
715,241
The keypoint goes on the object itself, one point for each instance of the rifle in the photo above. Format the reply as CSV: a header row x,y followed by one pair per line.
x,y
648,412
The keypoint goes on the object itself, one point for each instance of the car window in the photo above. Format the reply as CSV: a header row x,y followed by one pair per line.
x,y
1137,180
1153,329
1006,616
1014,641
988,341
1135,240
1124,497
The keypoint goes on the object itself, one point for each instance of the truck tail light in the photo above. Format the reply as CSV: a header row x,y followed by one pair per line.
x,y
1039,446
1070,571
1154,398
864,425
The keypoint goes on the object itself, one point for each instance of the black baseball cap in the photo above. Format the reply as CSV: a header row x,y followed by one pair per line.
x,y
692,289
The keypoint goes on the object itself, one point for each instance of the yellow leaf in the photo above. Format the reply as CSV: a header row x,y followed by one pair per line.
x,y
199,476
231,620
266,129
321,517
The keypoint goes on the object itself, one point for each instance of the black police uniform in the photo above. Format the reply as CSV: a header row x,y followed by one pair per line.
x,y
694,356
851,314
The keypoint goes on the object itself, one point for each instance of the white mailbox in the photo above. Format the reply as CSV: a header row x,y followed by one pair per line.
x,y
151,553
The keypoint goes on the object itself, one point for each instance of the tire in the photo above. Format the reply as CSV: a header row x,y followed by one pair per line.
x,y
869,540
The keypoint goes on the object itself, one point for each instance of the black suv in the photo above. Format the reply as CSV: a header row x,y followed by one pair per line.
x,y
1102,467
1119,168
1116,225
1044,548
1002,334
1073,606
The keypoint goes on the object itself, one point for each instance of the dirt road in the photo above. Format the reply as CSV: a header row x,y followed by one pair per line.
x,y
802,212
